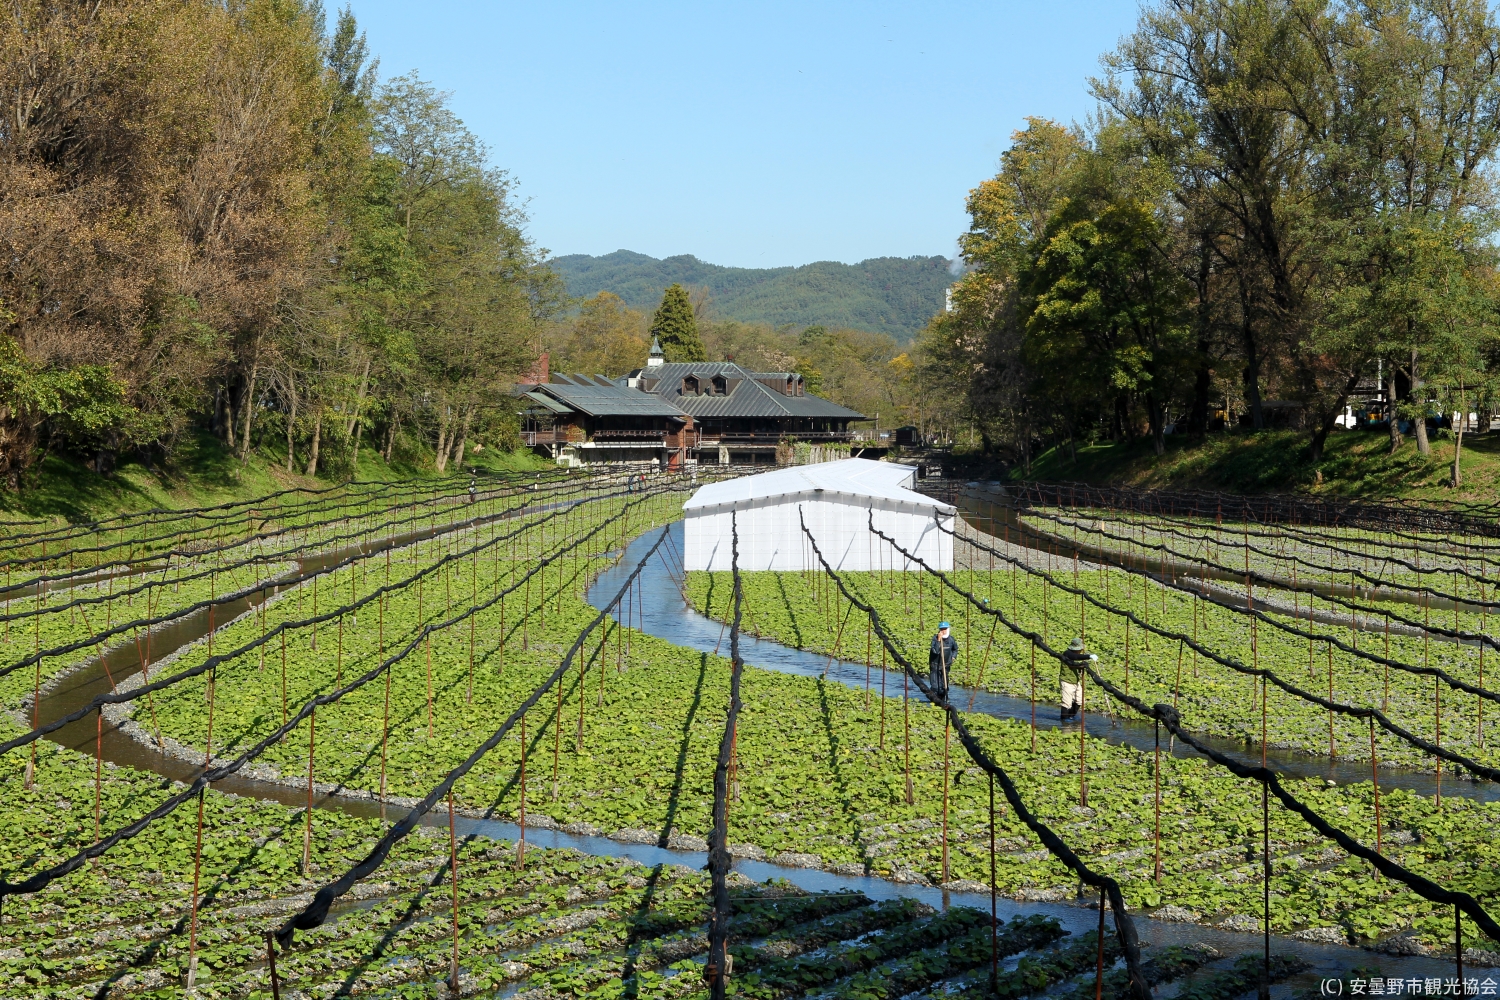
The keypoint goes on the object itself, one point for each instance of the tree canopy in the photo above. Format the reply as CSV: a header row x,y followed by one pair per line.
x,y
675,326
1275,201
217,215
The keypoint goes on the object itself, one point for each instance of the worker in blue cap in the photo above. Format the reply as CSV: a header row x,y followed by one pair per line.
x,y
940,658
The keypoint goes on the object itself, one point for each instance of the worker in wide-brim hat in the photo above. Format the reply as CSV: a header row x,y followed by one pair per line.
x,y
940,659
1070,678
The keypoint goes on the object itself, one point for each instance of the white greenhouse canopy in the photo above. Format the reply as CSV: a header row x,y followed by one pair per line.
x,y
837,500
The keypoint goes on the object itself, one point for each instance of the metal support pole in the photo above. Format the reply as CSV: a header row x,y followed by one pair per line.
x,y
994,916
906,716
271,961
1099,969
312,724
1157,771
947,739
521,844
453,868
1265,828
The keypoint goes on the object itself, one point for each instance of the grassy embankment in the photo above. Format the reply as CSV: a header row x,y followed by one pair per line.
x,y
200,472
1356,463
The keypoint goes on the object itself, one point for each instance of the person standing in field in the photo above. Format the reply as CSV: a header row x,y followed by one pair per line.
x,y
1070,678
940,658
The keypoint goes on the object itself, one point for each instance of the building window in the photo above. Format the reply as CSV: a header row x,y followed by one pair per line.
x,y
721,386
690,386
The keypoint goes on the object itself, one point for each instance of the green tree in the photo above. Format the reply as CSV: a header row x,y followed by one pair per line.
x,y
607,337
676,327
1108,328
811,344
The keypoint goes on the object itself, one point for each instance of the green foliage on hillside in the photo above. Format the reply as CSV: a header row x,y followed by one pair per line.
x,y
894,295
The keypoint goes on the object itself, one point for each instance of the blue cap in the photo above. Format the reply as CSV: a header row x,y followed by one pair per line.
x,y
943,625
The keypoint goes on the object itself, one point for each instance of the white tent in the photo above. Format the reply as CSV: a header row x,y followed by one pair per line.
x,y
837,500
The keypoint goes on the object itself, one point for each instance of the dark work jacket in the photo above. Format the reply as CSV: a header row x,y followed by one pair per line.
x,y
942,651
1070,671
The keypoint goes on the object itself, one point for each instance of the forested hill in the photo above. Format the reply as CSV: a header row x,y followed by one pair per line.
x,y
894,295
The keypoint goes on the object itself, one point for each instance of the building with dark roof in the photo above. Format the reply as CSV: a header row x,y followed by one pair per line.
x,y
711,411
582,419
744,416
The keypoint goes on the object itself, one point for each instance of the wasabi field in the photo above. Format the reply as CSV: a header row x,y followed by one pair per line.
x,y
424,740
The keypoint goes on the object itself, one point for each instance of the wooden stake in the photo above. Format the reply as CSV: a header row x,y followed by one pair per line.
x,y
557,736
1177,686
271,960
1099,971
312,723
1332,750
906,716
1375,784
521,844
453,868
1033,696
947,737
1265,827
994,915
208,756
1157,775
1437,722
385,733
1083,784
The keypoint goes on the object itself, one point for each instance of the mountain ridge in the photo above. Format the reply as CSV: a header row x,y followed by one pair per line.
x,y
894,295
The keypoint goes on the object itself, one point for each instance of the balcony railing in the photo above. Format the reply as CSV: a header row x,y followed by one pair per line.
x,y
617,435
771,437
622,436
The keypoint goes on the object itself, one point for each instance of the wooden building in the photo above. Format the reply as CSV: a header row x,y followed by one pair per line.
x,y
710,411
584,420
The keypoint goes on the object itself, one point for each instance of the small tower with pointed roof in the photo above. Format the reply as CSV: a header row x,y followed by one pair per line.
x,y
656,359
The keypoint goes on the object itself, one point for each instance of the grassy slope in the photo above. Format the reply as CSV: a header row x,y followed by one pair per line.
x,y
201,472
1356,463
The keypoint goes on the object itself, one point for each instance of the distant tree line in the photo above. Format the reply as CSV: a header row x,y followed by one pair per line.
x,y
215,216
1274,201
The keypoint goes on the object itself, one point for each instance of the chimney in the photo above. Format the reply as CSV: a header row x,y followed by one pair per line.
x,y
539,373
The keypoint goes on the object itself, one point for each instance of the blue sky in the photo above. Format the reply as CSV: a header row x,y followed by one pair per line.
x,y
749,134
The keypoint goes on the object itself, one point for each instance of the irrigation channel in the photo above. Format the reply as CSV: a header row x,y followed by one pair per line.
x,y
664,613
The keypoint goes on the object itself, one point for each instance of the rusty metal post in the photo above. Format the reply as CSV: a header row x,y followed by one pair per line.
x,y
1375,784
521,844
271,960
453,867
312,724
1158,801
